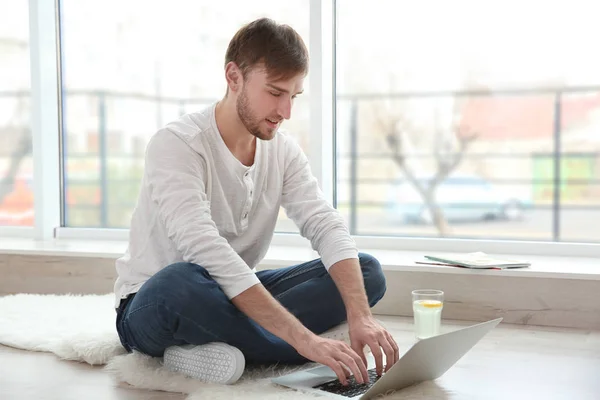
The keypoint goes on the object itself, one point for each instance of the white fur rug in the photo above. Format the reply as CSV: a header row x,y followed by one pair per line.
x,y
82,328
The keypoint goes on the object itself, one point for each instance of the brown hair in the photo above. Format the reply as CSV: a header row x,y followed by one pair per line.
x,y
279,48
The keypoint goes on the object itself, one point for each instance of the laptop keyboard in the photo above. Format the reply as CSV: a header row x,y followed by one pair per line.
x,y
353,388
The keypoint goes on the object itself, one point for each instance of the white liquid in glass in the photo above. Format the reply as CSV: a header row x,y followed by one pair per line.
x,y
428,317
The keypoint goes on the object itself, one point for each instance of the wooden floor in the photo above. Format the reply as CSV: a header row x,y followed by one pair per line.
x,y
511,362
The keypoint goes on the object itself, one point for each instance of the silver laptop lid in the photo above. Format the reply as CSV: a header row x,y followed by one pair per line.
x,y
430,358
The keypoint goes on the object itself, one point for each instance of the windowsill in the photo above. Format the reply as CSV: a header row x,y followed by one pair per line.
x,y
585,268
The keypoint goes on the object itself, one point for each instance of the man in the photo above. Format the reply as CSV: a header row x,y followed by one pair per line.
x,y
212,187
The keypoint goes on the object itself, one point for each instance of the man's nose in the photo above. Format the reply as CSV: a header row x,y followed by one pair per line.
x,y
285,108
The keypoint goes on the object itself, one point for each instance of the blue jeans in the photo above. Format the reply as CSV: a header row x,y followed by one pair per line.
x,y
182,304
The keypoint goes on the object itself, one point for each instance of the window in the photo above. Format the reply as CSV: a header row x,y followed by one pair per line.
x,y
470,121
126,73
464,120
16,167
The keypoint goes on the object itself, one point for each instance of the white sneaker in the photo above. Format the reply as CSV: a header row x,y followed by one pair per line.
x,y
211,362
339,332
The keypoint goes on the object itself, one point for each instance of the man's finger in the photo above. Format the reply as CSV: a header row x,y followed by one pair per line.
x,y
374,346
389,352
338,369
352,365
359,349
394,346
361,364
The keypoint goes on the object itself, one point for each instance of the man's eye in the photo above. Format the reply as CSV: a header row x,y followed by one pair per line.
x,y
276,94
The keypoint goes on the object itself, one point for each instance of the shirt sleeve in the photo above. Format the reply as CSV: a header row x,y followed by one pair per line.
x,y
176,177
306,205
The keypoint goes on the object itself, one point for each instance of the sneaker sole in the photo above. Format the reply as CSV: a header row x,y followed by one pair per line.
x,y
212,362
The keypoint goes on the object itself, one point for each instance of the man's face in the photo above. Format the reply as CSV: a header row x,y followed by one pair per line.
x,y
263,104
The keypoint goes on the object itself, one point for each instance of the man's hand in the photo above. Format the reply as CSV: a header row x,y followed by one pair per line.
x,y
258,304
337,355
366,331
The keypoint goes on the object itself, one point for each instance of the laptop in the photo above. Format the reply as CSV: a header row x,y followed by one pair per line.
x,y
425,360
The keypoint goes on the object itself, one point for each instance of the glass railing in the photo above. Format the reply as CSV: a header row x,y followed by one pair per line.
x,y
518,164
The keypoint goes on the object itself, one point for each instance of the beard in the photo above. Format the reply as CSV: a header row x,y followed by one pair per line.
x,y
249,119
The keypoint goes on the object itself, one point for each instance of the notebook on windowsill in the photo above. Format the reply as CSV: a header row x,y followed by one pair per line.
x,y
478,260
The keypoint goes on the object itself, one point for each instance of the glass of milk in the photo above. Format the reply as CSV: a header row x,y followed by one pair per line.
x,y
427,310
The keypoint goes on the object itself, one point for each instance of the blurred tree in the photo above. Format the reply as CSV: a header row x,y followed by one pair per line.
x,y
404,131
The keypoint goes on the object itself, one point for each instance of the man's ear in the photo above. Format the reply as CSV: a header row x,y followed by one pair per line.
x,y
234,77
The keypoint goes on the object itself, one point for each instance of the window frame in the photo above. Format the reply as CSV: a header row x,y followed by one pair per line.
x,y
45,122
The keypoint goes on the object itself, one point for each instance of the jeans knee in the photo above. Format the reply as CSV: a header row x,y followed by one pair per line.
x,y
181,284
373,276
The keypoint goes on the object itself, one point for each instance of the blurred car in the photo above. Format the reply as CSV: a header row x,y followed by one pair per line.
x,y
460,198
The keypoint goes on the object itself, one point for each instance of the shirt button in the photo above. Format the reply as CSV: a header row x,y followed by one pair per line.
x,y
245,215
